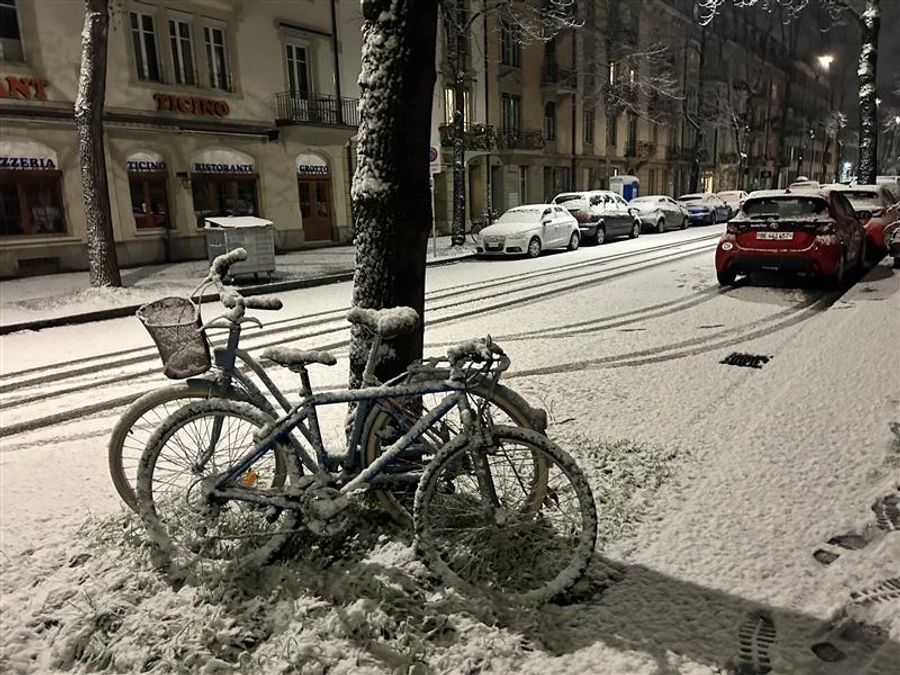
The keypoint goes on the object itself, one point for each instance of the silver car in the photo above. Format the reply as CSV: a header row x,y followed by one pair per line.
x,y
658,213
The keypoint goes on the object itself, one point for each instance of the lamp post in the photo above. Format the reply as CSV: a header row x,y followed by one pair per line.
x,y
824,62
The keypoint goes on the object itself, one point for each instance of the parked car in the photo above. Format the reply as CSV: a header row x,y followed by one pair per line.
x,y
734,199
808,231
892,241
658,212
875,208
528,230
705,209
601,214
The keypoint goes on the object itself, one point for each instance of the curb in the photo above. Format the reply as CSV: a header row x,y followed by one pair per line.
x,y
256,289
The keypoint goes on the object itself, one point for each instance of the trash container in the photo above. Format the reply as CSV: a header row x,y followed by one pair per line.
x,y
226,233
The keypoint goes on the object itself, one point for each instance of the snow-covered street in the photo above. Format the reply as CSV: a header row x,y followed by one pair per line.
x,y
709,561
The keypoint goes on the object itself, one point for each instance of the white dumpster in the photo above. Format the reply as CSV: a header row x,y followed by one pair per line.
x,y
256,235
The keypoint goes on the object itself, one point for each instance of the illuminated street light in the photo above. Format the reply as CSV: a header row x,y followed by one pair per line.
x,y
825,61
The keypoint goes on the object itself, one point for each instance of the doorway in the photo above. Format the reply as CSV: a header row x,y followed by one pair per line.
x,y
315,207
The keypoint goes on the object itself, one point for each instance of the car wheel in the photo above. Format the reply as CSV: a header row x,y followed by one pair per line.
x,y
684,224
600,235
661,225
534,247
836,280
726,278
574,240
635,230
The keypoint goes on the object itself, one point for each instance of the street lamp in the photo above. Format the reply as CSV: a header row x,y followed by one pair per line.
x,y
825,61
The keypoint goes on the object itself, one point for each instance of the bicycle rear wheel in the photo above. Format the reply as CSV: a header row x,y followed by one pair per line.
x,y
185,454
498,404
514,519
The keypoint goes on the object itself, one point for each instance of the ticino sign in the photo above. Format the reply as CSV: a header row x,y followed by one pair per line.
x,y
191,105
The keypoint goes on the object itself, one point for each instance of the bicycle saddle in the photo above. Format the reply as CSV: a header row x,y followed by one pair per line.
x,y
387,323
297,358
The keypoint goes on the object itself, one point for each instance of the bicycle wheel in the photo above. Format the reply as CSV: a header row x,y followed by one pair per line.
x,y
513,519
197,443
132,431
500,404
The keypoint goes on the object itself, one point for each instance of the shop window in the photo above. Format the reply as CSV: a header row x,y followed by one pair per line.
x,y
143,38
10,36
149,200
31,203
223,195
217,57
182,51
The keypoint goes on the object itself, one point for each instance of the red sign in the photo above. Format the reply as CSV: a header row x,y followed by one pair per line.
x,y
191,105
23,87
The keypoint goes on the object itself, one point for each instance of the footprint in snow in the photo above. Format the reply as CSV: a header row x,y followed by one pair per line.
x,y
756,635
887,519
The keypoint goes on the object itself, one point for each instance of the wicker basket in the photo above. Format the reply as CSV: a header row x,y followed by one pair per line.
x,y
174,324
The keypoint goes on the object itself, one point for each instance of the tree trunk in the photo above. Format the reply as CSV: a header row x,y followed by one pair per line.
x,y
697,150
391,195
458,64
868,107
101,247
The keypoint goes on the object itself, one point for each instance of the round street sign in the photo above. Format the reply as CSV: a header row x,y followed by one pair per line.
x,y
432,154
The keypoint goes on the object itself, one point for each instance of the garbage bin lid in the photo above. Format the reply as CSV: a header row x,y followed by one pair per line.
x,y
237,221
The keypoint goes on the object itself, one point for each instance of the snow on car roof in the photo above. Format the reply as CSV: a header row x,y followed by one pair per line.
x,y
788,192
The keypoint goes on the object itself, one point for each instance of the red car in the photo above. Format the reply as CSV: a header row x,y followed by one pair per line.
x,y
807,230
876,208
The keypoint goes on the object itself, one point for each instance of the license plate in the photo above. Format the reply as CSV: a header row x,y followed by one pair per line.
x,y
775,235
492,247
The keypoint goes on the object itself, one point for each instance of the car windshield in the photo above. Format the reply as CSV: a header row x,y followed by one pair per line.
x,y
562,199
521,216
644,200
692,198
862,199
783,207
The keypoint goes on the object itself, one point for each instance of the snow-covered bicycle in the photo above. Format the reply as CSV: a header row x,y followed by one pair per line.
x,y
498,510
229,373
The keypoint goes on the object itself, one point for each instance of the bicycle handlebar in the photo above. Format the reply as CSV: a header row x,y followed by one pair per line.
x,y
231,298
220,264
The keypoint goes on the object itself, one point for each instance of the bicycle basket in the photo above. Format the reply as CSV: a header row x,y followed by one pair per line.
x,y
174,324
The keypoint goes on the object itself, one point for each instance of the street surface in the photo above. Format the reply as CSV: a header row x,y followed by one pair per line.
x,y
622,341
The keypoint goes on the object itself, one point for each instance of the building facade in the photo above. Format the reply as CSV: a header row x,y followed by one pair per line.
x,y
213,107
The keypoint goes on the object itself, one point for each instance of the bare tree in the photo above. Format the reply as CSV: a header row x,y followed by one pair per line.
x,y
101,247
530,23
866,14
390,191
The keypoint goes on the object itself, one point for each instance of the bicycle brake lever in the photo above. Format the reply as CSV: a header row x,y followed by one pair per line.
x,y
251,319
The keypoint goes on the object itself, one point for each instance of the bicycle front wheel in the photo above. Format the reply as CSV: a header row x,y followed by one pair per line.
x,y
513,519
184,456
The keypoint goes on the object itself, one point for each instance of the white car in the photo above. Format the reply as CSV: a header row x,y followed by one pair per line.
x,y
658,213
734,199
528,230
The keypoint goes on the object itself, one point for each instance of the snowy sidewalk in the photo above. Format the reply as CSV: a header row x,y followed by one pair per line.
x,y
66,298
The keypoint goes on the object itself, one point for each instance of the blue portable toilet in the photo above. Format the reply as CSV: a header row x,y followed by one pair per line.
x,y
626,186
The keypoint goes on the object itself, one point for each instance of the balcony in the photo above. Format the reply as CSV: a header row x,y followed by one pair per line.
x,y
489,137
298,108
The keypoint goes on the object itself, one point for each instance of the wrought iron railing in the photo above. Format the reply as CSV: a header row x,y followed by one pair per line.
x,y
489,137
300,108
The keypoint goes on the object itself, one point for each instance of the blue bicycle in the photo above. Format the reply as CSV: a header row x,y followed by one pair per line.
x,y
497,510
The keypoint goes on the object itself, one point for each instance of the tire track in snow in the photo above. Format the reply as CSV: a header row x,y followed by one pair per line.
x,y
74,413
114,358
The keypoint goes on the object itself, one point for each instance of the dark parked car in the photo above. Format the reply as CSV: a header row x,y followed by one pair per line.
x,y
806,231
705,209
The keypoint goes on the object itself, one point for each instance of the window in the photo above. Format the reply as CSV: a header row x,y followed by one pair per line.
x,y
510,45
143,38
523,184
217,57
149,200
612,136
450,105
223,195
10,37
297,60
31,203
510,113
612,72
588,123
182,51
550,121
631,140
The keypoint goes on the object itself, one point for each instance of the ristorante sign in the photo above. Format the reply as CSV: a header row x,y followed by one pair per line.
x,y
191,105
